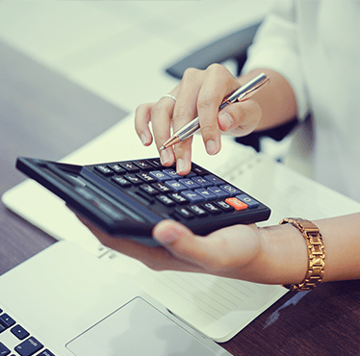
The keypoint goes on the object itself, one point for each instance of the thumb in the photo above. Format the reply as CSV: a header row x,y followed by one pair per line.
x,y
168,232
179,241
240,119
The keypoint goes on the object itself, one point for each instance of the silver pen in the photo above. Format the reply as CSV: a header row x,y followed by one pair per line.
x,y
241,94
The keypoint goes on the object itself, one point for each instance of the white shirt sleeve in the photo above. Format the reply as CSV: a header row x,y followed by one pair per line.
x,y
276,47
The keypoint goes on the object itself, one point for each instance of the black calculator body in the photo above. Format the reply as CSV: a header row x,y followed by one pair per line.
x,y
128,198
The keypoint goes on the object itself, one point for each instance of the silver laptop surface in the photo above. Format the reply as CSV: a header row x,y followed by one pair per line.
x,y
64,301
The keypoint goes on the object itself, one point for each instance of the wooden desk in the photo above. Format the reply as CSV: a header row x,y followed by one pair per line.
x,y
44,115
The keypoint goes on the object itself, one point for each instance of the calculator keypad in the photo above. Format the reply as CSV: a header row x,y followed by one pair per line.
x,y
200,194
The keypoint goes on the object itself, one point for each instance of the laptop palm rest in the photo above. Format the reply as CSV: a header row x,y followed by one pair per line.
x,y
137,328
75,304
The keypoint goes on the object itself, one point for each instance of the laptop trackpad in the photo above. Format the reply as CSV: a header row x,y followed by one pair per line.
x,y
137,328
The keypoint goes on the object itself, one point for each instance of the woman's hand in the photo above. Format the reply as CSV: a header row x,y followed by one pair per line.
x,y
240,251
200,93
225,252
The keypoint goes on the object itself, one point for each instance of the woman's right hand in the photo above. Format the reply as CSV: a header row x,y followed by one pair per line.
x,y
200,93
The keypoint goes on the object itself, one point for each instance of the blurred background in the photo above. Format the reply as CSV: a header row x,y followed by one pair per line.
x,y
66,64
119,50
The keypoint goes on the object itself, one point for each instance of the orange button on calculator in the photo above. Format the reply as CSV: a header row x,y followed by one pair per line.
x,y
236,203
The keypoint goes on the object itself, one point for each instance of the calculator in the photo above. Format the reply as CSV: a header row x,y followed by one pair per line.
x,y
128,198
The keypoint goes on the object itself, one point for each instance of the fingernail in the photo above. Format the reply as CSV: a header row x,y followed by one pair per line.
x,y
180,165
164,157
226,121
143,139
211,147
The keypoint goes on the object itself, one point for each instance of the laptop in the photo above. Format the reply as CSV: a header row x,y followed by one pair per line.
x,y
65,301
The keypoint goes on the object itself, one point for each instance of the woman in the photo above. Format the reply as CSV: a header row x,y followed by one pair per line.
x,y
310,51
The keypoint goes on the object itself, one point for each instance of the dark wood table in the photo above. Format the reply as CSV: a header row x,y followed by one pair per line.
x,y
42,114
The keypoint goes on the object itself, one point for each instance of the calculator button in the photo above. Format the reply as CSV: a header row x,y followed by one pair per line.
x,y
19,332
236,203
122,181
213,179
178,198
249,201
190,174
105,170
172,173
130,167
224,206
197,210
160,176
143,165
199,171
133,179
117,168
184,213
230,189
211,208
220,193
155,162
146,177
175,185
206,194
162,187
165,200
202,181
149,189
189,183
192,196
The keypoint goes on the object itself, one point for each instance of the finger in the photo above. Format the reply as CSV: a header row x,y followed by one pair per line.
x,y
184,111
240,119
162,114
182,152
142,120
218,83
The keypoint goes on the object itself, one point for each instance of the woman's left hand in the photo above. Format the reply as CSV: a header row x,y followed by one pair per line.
x,y
233,251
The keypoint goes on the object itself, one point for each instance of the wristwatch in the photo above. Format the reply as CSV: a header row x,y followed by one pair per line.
x,y
316,254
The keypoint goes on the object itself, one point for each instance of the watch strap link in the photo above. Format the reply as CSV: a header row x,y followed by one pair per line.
x,y
316,254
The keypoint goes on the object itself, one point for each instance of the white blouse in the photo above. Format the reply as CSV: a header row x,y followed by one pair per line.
x,y
315,45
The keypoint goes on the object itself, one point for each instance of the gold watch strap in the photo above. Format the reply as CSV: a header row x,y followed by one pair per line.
x,y
316,254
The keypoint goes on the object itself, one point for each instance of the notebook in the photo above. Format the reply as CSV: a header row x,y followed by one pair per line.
x,y
217,307
65,301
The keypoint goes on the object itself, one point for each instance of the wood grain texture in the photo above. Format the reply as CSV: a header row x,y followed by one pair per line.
x,y
43,115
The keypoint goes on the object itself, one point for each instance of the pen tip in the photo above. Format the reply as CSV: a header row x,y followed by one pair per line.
x,y
162,148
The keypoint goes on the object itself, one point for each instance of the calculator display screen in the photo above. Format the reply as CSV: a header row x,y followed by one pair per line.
x,y
93,194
